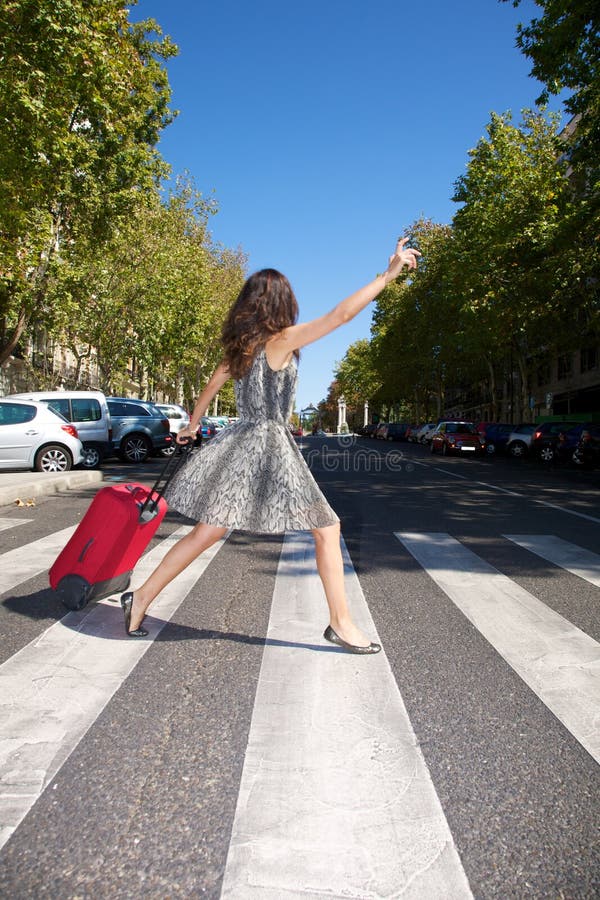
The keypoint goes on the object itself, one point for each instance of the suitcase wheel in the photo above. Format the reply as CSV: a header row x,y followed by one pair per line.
x,y
74,591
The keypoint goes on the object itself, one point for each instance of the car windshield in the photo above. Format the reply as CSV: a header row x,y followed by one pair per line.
x,y
461,428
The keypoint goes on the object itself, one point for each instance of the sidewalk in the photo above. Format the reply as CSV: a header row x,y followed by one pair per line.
x,y
26,485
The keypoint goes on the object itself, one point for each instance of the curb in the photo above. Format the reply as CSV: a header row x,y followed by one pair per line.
x,y
26,485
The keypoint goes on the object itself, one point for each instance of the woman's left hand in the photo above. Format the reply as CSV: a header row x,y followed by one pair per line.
x,y
403,257
186,435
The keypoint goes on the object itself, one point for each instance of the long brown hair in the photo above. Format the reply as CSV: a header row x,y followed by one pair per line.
x,y
264,307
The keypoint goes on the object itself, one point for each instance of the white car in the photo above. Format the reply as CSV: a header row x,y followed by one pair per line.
x,y
425,431
32,436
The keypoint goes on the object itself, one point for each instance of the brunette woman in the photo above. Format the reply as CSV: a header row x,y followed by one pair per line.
x,y
252,476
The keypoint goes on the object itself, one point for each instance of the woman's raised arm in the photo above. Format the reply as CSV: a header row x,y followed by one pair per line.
x,y
297,336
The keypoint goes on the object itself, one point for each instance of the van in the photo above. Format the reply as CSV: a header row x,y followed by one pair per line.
x,y
88,411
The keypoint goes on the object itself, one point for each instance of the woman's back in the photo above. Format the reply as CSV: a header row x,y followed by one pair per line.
x,y
265,395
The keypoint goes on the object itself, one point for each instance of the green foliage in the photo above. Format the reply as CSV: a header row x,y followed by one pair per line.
x,y
155,293
83,98
564,45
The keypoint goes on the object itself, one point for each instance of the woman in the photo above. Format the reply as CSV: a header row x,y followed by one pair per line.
x,y
252,476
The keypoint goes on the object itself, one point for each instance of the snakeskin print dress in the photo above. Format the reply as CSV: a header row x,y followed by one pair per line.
x,y
251,476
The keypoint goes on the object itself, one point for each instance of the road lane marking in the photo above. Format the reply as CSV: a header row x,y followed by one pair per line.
x,y
495,487
568,556
557,660
5,524
54,689
26,562
335,798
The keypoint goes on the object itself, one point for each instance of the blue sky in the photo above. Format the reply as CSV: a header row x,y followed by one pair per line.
x,y
324,129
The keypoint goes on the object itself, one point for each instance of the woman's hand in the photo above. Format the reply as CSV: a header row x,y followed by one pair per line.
x,y
186,434
402,257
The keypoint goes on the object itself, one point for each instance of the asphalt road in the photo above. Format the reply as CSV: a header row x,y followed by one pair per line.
x,y
145,803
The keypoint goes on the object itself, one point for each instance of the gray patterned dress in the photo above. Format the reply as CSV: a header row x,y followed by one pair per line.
x,y
251,476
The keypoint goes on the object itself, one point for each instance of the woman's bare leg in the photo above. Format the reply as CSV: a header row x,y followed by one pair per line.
x,y
331,570
185,551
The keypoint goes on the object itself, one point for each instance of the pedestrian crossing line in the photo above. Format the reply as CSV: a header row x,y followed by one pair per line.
x,y
568,556
335,798
26,562
5,524
53,689
557,660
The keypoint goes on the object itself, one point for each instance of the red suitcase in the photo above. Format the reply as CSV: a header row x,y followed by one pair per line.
x,y
118,526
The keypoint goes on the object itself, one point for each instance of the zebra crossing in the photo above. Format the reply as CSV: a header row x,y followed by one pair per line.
x,y
335,798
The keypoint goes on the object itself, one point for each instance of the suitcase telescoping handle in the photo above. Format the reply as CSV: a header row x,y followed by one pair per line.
x,y
170,468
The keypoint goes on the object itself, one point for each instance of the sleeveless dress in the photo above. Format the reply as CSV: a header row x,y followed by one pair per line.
x,y
251,476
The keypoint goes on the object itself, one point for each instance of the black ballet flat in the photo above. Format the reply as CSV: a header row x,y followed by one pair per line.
x,y
333,638
126,604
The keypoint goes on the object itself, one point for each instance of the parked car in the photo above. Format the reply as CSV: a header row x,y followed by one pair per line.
x,y
579,445
32,436
425,431
207,428
178,419
381,431
546,438
369,430
457,437
519,440
586,453
88,412
139,429
496,435
396,431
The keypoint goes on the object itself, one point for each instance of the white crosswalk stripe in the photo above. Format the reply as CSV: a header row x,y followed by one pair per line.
x,y
558,661
333,778
568,556
55,688
5,524
26,562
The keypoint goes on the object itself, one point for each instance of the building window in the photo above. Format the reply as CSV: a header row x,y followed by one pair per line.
x,y
565,366
589,359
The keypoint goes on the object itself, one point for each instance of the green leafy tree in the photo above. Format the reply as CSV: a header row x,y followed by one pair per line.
x,y
151,300
514,198
564,45
357,379
84,96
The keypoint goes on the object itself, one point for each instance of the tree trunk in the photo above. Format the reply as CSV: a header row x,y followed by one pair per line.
x,y
493,390
9,345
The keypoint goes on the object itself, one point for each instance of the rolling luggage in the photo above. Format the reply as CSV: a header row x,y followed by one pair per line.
x,y
116,529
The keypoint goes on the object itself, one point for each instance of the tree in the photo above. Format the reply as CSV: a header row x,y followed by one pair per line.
x,y
564,45
514,199
155,294
356,377
83,98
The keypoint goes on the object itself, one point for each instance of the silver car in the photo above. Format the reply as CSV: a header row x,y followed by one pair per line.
x,y
519,440
32,436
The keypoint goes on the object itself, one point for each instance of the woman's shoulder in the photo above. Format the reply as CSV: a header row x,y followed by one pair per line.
x,y
277,352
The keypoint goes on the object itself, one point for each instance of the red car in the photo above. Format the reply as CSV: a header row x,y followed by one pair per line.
x,y
457,437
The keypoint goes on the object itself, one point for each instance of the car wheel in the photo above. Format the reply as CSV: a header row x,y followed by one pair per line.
x,y
92,457
169,451
490,449
518,449
53,458
135,448
431,448
547,454
444,449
